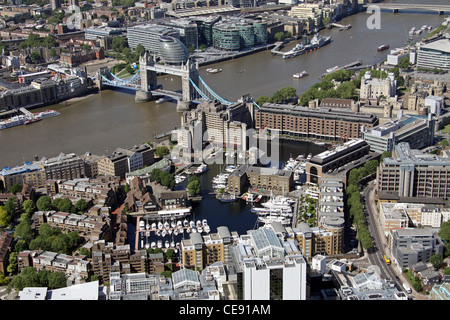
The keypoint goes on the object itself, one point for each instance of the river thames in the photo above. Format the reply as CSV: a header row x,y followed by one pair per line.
x,y
110,119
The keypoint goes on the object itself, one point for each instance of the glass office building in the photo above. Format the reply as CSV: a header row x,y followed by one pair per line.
x,y
148,35
226,37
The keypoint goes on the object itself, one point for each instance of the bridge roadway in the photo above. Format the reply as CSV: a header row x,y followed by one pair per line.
x,y
399,6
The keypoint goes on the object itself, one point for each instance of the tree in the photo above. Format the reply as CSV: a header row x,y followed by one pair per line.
x,y
44,203
119,43
161,151
404,63
16,188
64,205
24,231
29,206
5,218
81,206
444,233
140,50
155,175
35,57
194,186
436,260
10,206
261,100
12,266
279,36
49,42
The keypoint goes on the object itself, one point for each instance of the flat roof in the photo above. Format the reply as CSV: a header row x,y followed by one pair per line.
x,y
439,45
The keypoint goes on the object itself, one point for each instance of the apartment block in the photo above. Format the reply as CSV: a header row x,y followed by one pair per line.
x,y
200,251
123,160
219,124
315,240
91,228
238,181
319,123
331,161
269,179
33,174
72,266
64,166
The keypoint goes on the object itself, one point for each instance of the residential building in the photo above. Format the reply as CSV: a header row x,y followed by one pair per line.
x,y
417,132
308,11
393,216
64,166
434,55
6,240
33,174
145,173
72,266
317,123
123,160
412,173
238,181
200,251
333,160
319,240
270,179
90,228
219,124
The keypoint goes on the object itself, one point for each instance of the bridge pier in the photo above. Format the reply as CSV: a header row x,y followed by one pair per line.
x,y
183,105
143,96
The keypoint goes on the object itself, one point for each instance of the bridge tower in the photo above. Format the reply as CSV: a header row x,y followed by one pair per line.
x,y
148,79
103,71
189,72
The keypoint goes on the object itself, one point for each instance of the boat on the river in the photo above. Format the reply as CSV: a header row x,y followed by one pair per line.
x,y
300,75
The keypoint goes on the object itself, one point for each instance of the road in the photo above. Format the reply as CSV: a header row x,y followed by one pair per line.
x,y
375,255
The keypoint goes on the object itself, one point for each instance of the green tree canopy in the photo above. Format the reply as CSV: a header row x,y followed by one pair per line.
x,y
16,188
44,203
161,151
194,186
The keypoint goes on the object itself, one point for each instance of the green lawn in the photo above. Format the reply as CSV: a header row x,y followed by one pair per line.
x,y
446,129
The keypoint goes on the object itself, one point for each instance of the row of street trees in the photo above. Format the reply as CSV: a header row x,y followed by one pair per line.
x,y
356,208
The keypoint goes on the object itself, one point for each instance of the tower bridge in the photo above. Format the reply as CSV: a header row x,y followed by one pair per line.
x,y
145,82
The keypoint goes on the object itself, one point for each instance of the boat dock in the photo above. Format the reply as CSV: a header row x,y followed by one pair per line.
x,y
356,65
276,50
341,26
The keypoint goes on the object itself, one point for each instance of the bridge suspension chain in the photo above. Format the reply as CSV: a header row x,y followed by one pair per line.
x,y
213,93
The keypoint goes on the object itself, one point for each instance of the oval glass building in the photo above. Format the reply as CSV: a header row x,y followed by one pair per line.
x,y
172,50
